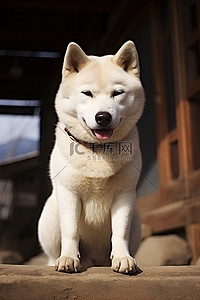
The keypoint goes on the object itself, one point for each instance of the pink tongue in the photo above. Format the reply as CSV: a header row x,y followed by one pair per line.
x,y
103,134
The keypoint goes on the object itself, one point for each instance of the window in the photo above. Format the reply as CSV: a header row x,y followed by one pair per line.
x,y
20,129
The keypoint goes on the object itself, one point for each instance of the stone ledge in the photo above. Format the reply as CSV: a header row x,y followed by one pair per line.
x,y
99,283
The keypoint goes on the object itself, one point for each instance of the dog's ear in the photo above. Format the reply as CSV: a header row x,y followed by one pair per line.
x,y
74,60
127,58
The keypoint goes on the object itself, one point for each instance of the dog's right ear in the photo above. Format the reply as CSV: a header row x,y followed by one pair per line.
x,y
74,60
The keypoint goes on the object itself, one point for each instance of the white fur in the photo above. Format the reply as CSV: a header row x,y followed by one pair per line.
x,y
91,210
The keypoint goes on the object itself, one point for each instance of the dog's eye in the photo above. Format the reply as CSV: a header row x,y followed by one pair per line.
x,y
87,93
117,93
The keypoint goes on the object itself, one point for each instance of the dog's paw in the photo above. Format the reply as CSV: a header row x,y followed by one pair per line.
x,y
67,264
126,265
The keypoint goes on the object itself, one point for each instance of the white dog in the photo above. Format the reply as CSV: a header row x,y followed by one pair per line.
x,y
95,163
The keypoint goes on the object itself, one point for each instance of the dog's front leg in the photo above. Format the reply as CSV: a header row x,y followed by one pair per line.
x,y
69,207
121,213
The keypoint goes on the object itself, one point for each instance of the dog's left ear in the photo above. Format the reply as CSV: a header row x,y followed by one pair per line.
x,y
75,59
127,58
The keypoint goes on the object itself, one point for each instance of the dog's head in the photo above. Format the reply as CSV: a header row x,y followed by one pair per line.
x,y
100,98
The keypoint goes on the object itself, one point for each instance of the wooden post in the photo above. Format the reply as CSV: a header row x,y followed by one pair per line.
x,y
194,239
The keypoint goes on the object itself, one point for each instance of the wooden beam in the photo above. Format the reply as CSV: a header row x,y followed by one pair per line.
x,y
148,202
60,6
194,239
12,169
165,218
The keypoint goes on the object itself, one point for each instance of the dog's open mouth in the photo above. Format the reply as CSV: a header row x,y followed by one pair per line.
x,y
102,134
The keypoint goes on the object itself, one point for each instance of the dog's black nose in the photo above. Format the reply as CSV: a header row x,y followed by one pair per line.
x,y
103,118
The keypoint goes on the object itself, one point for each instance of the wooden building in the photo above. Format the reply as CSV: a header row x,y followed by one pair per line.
x,y
167,35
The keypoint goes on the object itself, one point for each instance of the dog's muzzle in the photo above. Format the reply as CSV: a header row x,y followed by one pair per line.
x,y
103,119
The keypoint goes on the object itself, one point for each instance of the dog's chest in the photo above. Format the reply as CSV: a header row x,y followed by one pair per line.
x,y
97,198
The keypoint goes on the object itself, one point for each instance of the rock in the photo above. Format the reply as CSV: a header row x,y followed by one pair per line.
x,y
198,262
10,257
166,250
100,283
39,260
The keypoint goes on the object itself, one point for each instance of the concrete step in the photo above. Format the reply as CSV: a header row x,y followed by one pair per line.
x,y
99,283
